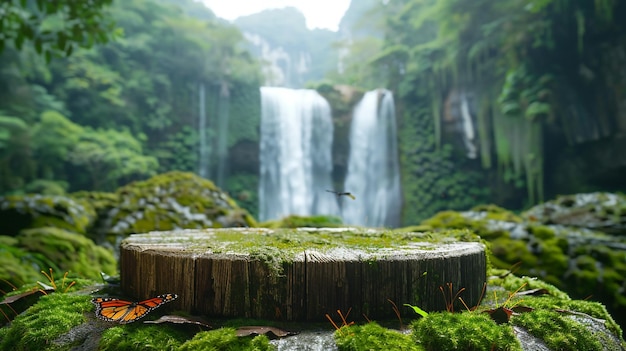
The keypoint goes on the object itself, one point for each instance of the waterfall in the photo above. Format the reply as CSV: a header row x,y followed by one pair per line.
x,y
223,117
373,174
203,164
296,159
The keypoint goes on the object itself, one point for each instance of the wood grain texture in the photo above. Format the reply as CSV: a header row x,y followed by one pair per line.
x,y
212,278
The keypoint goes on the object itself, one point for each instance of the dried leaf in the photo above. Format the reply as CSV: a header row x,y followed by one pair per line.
x,y
500,315
270,332
534,292
11,299
180,320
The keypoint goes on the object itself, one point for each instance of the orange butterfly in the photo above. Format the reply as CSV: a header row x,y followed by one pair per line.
x,y
116,310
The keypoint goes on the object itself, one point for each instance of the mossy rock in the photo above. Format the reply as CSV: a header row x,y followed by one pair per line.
x,y
604,212
19,212
18,267
549,321
42,324
580,261
67,251
174,200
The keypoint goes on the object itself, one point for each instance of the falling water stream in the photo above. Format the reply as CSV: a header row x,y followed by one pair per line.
x,y
296,160
373,170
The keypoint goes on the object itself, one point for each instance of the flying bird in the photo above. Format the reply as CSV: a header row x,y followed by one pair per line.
x,y
339,194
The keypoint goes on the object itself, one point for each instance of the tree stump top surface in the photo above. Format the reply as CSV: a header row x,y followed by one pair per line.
x,y
300,274
292,244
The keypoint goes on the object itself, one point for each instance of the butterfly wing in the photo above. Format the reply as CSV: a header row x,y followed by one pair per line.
x,y
110,309
116,310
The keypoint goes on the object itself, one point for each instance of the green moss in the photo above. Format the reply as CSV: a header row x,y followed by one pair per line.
x,y
290,242
68,251
295,221
513,283
35,211
592,308
497,213
558,331
372,336
453,220
142,337
18,267
226,339
507,252
463,331
174,200
38,328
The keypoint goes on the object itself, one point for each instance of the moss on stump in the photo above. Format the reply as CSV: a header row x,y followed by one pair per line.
x,y
300,274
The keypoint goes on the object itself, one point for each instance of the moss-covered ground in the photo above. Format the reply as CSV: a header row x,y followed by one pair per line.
x,y
53,321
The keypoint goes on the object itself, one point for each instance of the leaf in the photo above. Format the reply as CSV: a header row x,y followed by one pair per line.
x,y
38,45
19,41
270,332
12,299
500,315
45,286
417,310
61,41
510,108
534,292
538,108
180,320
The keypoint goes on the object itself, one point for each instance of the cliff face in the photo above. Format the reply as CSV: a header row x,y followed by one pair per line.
x,y
294,55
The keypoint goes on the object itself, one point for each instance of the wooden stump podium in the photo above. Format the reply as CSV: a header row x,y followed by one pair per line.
x,y
300,274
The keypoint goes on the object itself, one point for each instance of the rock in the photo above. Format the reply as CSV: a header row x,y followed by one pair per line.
x,y
19,212
174,200
604,212
582,262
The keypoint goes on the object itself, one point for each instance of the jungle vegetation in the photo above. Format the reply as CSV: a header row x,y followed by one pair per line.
x,y
92,98
109,94
545,80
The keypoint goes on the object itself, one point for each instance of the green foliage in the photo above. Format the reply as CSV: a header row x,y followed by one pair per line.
x,y
134,337
431,179
18,266
108,158
417,310
55,27
120,111
68,251
243,188
535,70
226,339
463,331
14,152
38,328
558,331
373,337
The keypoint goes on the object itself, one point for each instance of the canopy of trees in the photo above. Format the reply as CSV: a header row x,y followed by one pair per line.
x,y
543,75
54,27
113,112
